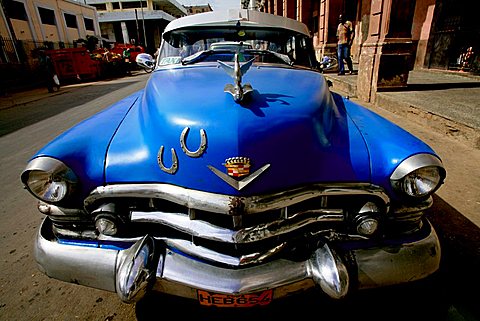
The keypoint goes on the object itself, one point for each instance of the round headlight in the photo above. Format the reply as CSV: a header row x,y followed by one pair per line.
x,y
49,179
421,182
419,175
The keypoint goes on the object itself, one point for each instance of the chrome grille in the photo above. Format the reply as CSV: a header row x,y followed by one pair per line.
x,y
239,220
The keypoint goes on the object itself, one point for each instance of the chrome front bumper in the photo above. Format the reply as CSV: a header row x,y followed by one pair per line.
x,y
153,265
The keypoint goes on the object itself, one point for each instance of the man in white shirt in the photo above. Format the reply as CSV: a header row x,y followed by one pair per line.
x,y
345,35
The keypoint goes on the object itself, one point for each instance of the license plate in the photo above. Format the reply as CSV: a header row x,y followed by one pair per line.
x,y
234,301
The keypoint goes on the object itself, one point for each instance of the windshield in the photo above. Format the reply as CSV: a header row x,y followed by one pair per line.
x,y
277,46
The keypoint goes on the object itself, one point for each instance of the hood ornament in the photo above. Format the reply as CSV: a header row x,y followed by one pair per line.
x,y
236,72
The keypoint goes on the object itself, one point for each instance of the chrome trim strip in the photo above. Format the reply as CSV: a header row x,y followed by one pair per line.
x,y
46,164
239,184
262,231
206,254
413,163
50,209
226,204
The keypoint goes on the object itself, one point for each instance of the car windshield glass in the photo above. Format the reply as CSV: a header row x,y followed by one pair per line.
x,y
244,55
275,46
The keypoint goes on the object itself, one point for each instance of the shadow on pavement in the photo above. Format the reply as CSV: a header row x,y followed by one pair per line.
x,y
413,303
460,265
12,119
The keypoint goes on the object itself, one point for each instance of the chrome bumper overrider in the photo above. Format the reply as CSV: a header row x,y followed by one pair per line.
x,y
154,265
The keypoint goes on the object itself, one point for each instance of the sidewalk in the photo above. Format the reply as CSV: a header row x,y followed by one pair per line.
x,y
18,97
448,103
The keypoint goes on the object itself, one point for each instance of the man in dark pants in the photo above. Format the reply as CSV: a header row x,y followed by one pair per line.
x,y
345,35
48,71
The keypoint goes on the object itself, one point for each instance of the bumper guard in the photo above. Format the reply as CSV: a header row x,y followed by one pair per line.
x,y
147,266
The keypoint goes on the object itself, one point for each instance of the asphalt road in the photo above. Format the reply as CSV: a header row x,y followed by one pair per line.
x,y
27,294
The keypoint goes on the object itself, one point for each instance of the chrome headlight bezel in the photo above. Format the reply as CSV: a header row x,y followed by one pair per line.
x,y
49,180
418,176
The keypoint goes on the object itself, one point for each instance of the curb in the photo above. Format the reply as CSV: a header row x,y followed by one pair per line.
x,y
443,125
17,100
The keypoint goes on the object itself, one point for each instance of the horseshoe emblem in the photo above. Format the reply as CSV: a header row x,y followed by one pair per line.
x,y
172,169
203,143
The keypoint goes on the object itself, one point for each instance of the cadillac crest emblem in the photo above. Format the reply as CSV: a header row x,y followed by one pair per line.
x,y
237,166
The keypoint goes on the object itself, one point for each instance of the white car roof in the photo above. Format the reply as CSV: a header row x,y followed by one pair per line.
x,y
231,17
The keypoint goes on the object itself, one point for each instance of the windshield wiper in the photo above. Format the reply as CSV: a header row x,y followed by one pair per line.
x,y
196,57
284,58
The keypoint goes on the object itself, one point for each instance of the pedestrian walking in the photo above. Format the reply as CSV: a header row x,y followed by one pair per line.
x,y
345,35
48,72
127,54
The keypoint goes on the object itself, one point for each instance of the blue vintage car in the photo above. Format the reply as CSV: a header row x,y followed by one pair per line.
x,y
235,177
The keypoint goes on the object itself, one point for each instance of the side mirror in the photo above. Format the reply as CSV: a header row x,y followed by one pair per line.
x,y
145,60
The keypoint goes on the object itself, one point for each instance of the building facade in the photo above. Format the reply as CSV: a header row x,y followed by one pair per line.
x,y
27,24
47,20
136,22
198,9
392,36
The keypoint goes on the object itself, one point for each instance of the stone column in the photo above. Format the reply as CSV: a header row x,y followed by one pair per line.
x,y
126,38
387,54
290,9
305,12
278,7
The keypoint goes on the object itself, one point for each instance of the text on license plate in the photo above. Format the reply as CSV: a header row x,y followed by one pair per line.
x,y
228,300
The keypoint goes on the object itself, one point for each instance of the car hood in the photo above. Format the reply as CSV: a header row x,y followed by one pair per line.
x,y
290,127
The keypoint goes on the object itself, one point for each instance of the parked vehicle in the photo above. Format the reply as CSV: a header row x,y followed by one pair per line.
x,y
328,64
235,178
146,61
134,50
75,64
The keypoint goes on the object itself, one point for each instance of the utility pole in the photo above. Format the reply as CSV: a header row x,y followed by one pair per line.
x,y
143,24
136,23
